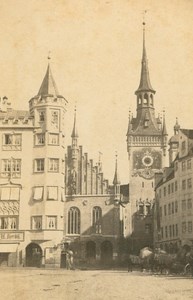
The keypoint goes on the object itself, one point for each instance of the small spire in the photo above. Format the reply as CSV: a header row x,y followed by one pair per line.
x,y
176,127
145,84
164,131
74,131
116,180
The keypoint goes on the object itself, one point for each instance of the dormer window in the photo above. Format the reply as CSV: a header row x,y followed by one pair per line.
x,y
146,123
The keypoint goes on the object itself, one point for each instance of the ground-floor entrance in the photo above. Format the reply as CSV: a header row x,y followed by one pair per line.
x,y
33,255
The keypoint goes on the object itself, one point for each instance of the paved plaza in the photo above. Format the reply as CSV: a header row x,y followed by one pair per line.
x,y
40,284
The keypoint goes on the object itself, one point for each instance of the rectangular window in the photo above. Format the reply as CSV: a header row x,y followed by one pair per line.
x,y
11,168
176,186
37,222
51,222
160,212
52,193
53,139
41,116
183,184
173,230
40,139
11,141
183,205
176,166
170,230
176,206
169,209
9,193
183,166
164,191
189,164
190,226
38,192
165,210
9,223
172,207
169,189
148,209
53,165
162,233
166,231
172,187
189,183
39,165
189,204
183,227
141,209
176,229
160,194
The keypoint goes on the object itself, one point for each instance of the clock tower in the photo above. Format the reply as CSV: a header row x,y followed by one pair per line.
x,y
146,146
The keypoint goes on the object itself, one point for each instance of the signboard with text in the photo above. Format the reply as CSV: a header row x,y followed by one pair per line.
x,y
6,236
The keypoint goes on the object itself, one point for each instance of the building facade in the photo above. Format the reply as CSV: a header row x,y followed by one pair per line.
x,y
51,201
92,208
174,195
146,146
32,178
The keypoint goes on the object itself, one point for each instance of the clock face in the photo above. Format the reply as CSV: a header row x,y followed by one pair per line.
x,y
147,158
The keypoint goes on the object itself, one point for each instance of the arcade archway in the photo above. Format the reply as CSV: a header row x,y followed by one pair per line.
x,y
33,255
106,253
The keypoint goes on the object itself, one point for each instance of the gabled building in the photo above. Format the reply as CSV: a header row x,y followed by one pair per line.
x,y
93,215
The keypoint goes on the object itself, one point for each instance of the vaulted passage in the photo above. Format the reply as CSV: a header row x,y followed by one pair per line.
x,y
33,255
106,253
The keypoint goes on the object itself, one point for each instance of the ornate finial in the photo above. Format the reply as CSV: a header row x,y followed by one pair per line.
x,y
129,114
49,56
144,13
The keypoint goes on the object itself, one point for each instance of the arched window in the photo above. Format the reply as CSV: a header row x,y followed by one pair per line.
x,y
74,221
97,219
139,100
151,99
145,99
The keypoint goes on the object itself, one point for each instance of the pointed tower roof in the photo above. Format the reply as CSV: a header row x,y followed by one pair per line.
x,y
145,84
48,86
164,131
116,176
74,130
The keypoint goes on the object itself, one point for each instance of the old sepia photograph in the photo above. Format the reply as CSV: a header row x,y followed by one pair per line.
x,y
96,149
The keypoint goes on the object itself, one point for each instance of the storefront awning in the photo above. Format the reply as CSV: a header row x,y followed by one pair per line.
x,y
7,248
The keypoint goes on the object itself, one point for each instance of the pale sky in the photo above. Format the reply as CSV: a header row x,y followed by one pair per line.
x,y
96,49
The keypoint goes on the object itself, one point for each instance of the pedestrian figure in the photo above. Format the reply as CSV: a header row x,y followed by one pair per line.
x,y
68,264
191,263
129,264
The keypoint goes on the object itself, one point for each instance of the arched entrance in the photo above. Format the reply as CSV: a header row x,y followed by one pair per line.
x,y
90,251
106,253
33,255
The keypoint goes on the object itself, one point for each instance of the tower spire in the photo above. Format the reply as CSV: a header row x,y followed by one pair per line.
x,y
116,180
74,131
48,86
164,131
145,84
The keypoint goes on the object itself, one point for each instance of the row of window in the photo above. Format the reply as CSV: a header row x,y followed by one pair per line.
x,y
146,139
172,209
186,165
144,209
12,167
11,223
170,231
13,193
171,188
14,141
186,183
